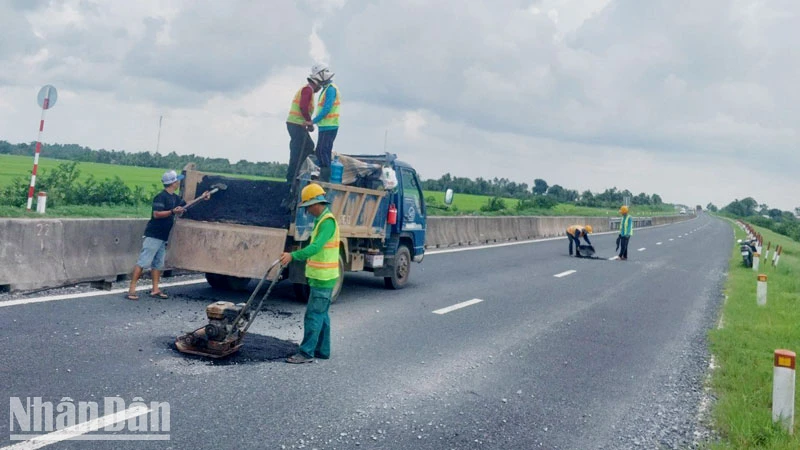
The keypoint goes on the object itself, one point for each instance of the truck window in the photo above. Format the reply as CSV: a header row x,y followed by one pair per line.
x,y
412,195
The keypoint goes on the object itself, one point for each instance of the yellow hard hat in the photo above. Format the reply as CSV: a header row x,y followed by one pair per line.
x,y
312,194
623,210
588,228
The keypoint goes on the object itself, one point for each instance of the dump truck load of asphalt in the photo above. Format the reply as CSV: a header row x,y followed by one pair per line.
x,y
244,202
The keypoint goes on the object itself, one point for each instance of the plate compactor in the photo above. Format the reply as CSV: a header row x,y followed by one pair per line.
x,y
227,324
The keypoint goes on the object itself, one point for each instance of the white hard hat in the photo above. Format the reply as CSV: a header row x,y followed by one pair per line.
x,y
317,68
321,74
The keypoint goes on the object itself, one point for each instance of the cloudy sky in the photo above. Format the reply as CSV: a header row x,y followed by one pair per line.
x,y
695,100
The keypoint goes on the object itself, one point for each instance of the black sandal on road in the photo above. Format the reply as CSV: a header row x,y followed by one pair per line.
x,y
159,295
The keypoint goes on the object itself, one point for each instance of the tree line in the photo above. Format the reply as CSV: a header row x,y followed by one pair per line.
x,y
502,187
74,152
782,222
496,187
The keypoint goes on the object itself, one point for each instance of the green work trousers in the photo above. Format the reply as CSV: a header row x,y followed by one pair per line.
x,y
317,324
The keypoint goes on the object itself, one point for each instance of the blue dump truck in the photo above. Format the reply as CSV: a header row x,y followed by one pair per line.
x,y
236,235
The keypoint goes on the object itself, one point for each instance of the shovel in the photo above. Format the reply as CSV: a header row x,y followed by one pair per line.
x,y
214,189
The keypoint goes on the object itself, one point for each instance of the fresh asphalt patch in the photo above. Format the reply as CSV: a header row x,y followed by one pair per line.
x,y
256,349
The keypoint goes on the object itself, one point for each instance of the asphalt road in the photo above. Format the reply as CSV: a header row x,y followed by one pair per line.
x,y
611,356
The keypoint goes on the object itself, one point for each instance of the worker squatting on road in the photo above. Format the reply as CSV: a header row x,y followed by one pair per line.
x,y
322,272
574,234
166,205
625,233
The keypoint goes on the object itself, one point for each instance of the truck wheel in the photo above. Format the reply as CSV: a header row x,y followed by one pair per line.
x,y
237,283
301,292
339,282
401,269
217,281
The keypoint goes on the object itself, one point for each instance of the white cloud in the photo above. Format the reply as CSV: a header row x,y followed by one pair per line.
x,y
682,98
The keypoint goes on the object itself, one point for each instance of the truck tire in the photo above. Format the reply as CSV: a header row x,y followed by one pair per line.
x,y
401,269
237,283
339,281
227,282
302,291
217,281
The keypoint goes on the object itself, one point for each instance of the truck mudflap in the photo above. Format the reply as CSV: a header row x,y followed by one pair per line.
x,y
223,248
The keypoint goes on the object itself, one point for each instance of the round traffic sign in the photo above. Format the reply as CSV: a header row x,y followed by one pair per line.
x,y
47,92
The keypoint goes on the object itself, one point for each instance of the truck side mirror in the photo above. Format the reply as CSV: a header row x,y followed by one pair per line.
x,y
448,197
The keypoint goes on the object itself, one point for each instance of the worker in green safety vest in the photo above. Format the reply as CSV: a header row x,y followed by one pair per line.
x,y
625,233
322,271
327,118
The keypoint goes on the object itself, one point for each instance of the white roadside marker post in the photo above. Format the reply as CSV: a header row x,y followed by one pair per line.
x,y
783,381
755,261
761,290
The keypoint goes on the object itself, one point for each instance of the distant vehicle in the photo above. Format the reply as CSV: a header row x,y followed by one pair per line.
x,y
683,211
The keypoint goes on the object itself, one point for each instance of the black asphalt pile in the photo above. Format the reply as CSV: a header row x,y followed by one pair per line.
x,y
245,202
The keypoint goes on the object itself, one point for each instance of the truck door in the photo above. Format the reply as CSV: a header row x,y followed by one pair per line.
x,y
412,213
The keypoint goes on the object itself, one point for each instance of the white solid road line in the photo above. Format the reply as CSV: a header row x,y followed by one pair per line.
x,y
54,298
564,274
454,307
642,249
74,432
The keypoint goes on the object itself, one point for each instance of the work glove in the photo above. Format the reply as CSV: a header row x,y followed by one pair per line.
x,y
618,239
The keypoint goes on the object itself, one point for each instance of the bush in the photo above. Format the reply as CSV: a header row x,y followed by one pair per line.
x,y
494,204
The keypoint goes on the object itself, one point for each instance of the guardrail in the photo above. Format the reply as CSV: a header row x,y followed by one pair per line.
x,y
42,253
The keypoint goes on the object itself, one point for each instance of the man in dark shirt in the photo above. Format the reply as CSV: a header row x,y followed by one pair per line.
x,y
165,205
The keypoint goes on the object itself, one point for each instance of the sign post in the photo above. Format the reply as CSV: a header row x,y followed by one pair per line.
x,y
47,99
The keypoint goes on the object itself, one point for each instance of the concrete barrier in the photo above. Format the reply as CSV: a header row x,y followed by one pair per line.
x,y
57,252
472,230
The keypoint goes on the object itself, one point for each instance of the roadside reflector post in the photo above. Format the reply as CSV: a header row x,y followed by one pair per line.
x,y
766,254
778,252
761,290
783,380
755,261
41,202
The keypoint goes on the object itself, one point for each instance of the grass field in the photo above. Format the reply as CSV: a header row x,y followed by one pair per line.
x,y
20,166
743,348
12,166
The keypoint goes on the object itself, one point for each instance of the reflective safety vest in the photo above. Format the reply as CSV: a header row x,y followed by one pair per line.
x,y
324,265
295,115
332,118
626,222
571,230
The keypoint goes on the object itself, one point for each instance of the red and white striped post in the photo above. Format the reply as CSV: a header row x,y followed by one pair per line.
x,y
47,98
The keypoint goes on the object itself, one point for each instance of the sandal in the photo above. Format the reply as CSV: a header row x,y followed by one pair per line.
x,y
159,295
132,297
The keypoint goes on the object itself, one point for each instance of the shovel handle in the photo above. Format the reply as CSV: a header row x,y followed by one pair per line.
x,y
194,201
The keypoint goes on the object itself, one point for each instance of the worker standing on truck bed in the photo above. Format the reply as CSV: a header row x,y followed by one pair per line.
x,y
166,205
298,124
574,234
327,119
625,233
322,271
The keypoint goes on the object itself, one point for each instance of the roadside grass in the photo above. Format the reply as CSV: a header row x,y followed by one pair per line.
x,y
139,212
743,348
